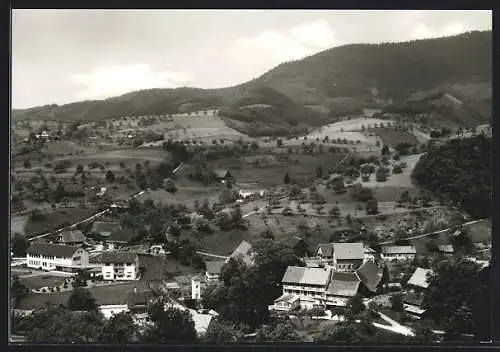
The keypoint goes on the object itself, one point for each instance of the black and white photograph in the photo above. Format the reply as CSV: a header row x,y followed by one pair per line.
x,y
229,177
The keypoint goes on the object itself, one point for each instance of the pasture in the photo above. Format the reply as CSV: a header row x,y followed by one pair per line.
x,y
393,137
128,156
56,219
184,195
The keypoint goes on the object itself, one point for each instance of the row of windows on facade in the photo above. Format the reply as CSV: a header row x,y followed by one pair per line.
x,y
110,276
48,257
119,265
306,293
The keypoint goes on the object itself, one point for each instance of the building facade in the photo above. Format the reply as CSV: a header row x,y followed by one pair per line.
x,y
46,256
118,265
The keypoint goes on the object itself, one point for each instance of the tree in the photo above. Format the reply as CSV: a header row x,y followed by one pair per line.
x,y
350,332
27,164
110,177
334,211
81,278
79,168
431,246
60,325
168,325
319,172
338,186
219,332
19,245
119,329
17,291
385,150
170,186
278,332
396,302
81,299
372,206
232,270
287,179
355,306
279,143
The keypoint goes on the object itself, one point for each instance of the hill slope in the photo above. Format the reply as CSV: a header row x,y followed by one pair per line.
x,y
310,91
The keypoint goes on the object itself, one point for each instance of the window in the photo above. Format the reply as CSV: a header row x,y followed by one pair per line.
x,y
77,258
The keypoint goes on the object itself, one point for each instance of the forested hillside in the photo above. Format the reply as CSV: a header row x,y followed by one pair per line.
x,y
337,81
459,171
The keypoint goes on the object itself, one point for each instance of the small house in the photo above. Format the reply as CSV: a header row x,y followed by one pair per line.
x,y
370,275
286,302
298,245
71,238
117,265
120,236
213,270
348,256
401,253
446,249
222,175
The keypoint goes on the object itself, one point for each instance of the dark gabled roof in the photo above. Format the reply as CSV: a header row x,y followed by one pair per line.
x,y
139,298
56,250
214,267
413,298
100,226
343,284
72,236
326,249
370,275
118,257
348,251
120,235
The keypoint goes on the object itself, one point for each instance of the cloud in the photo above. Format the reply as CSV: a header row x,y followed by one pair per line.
x,y
273,47
422,31
105,82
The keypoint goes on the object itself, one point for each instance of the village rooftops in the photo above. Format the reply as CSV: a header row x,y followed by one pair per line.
x,y
118,257
370,275
345,251
399,250
343,284
325,249
72,236
306,276
55,250
214,267
419,278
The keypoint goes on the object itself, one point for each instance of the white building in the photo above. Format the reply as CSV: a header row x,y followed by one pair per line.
x,y
306,282
398,253
59,257
118,265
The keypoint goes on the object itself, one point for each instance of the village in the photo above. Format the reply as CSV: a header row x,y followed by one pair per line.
x,y
356,225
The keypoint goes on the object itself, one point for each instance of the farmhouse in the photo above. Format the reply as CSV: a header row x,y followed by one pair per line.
x,y
306,282
120,236
418,283
213,270
120,265
243,251
398,252
71,238
104,229
342,256
58,257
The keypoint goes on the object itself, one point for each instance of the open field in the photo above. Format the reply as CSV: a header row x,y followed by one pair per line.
x,y
270,176
18,223
52,221
38,282
132,155
393,138
354,124
185,196
480,231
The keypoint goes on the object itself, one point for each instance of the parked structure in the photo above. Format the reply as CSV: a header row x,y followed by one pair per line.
x,y
46,256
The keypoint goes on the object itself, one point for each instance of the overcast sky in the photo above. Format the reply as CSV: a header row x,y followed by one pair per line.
x,y
62,56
